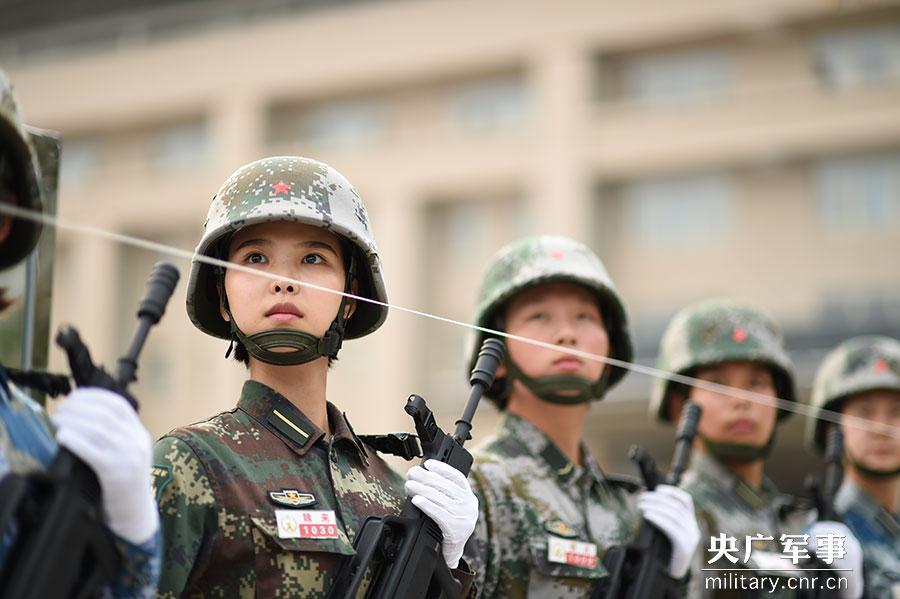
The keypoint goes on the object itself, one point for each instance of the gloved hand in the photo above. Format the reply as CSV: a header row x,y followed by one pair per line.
x,y
671,510
443,494
853,557
102,429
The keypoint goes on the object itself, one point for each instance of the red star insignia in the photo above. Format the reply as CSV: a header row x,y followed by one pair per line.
x,y
556,254
880,365
739,335
281,188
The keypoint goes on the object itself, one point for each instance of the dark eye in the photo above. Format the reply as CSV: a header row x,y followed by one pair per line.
x,y
538,316
313,259
255,258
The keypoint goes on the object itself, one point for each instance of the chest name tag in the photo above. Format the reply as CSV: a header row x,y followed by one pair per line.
x,y
574,553
306,524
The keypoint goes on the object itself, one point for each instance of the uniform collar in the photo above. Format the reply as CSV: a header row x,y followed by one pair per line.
x,y
536,443
851,497
290,424
717,474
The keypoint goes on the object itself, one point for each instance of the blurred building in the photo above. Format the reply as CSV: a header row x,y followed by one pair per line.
x,y
701,147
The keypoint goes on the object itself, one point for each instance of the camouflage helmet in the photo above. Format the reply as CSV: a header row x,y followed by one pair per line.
x,y
539,260
286,188
855,366
715,331
19,171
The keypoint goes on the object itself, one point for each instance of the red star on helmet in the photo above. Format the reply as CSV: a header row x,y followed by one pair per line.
x,y
556,254
880,365
739,335
281,188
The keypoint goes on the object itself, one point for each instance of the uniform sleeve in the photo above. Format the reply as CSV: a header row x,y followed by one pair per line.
x,y
696,585
139,571
480,553
187,513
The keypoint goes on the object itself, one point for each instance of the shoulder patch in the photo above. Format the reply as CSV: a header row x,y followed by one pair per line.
x,y
162,476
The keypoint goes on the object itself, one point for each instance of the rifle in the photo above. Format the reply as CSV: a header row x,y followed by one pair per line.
x,y
639,570
823,495
61,546
401,555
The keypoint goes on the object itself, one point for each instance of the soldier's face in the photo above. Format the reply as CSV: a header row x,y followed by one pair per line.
x,y
728,419
293,251
560,313
877,450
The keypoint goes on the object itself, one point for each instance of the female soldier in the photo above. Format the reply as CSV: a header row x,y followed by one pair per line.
x,y
738,345
267,498
548,512
861,378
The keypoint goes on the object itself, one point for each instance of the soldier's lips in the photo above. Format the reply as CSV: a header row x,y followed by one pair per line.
x,y
568,364
283,316
284,312
742,425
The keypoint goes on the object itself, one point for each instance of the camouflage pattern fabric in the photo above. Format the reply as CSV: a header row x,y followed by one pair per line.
x,y
855,366
715,331
532,499
27,445
287,188
726,504
878,531
546,259
224,484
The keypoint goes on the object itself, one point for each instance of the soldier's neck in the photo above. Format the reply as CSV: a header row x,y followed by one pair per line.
x,y
752,473
303,385
882,490
563,424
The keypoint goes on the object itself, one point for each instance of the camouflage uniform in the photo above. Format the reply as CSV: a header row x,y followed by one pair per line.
x,y
533,500
727,505
27,443
221,482
255,501
532,496
706,334
856,366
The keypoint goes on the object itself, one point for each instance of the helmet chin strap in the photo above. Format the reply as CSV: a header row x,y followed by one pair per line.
x,y
738,453
874,473
304,347
563,389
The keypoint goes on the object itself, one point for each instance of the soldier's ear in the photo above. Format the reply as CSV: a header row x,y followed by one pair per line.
x,y
221,289
350,306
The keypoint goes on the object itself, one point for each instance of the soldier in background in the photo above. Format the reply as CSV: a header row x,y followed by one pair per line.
x,y
737,345
861,378
266,499
548,512
97,425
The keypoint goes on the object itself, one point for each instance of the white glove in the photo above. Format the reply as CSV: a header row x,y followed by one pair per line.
x,y
852,560
102,429
671,510
443,494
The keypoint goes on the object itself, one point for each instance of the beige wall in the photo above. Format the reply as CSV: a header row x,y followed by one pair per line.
x,y
566,160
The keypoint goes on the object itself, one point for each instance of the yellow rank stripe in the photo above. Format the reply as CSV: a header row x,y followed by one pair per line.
x,y
290,424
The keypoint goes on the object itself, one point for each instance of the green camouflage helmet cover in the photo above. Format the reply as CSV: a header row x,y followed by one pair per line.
x,y
545,259
21,174
715,331
287,188
860,364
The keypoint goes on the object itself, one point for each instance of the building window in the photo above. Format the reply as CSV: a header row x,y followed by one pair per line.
x,y
682,211
859,57
862,192
682,78
496,103
341,123
79,160
181,145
